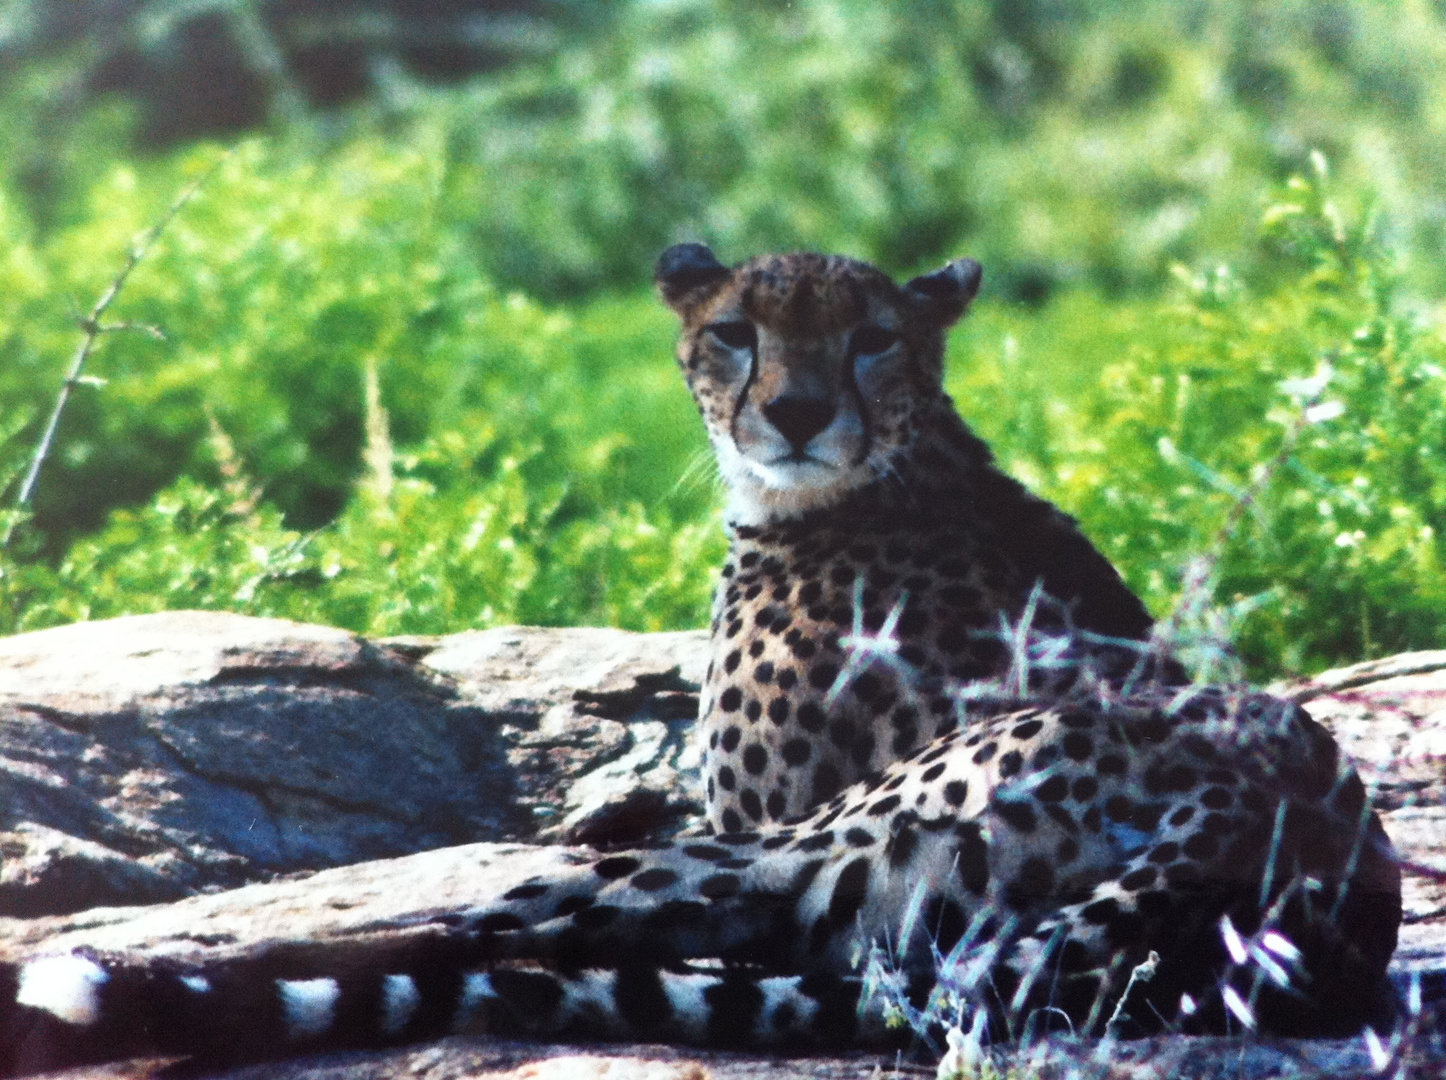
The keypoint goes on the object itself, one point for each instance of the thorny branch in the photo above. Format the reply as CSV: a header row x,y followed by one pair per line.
x,y
92,327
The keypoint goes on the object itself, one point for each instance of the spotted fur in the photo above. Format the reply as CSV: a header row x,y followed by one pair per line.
x,y
934,730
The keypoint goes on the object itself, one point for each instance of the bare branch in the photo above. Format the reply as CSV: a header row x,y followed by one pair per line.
x,y
93,327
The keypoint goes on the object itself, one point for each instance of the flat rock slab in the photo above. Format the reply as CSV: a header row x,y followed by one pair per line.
x,y
150,757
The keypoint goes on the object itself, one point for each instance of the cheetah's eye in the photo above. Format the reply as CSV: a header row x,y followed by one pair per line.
x,y
872,340
735,335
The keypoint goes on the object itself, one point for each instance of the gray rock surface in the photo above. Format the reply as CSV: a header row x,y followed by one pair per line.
x,y
1389,717
149,757
336,790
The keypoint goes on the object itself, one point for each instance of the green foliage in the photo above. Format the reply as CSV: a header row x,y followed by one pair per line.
x,y
1338,555
278,288
1140,355
1061,142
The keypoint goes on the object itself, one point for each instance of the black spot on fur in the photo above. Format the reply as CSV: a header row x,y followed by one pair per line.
x,y
641,1000
884,805
499,921
946,922
751,803
973,858
826,782
1136,880
615,866
1061,815
734,1005
1019,815
811,717
531,994
1182,874
755,758
1202,845
822,675
1161,780
796,752
719,886
1147,816
653,880
1084,788
1035,882
1165,853
901,846
1052,790
849,893
595,917
706,852
525,892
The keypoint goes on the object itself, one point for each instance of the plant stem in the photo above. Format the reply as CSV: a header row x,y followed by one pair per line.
x,y
93,328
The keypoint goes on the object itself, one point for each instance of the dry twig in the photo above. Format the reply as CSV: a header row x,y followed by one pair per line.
x,y
92,327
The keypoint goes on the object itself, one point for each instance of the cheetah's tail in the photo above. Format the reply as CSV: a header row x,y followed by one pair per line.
x,y
64,1010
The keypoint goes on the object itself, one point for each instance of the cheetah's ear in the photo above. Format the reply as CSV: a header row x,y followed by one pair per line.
x,y
944,295
683,271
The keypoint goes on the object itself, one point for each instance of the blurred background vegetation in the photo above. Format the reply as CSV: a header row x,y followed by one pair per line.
x,y
413,380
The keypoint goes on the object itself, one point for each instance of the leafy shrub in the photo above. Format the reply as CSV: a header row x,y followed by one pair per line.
x,y
549,466
1339,554
535,437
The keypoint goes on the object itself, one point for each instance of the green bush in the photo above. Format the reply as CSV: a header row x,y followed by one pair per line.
x,y
1171,418
548,466
536,437
556,488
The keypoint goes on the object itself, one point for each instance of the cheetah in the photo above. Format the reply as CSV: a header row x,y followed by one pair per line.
x,y
950,775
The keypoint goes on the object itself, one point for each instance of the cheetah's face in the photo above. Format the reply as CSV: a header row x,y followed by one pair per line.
x,y
812,372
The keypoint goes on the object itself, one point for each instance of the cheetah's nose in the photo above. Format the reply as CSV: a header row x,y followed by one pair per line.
x,y
799,418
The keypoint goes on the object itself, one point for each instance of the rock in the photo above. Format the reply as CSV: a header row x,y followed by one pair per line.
x,y
149,757
412,895
337,789
1389,717
497,1059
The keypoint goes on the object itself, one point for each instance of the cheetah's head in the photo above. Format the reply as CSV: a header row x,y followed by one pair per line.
x,y
812,372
